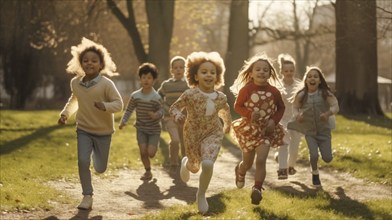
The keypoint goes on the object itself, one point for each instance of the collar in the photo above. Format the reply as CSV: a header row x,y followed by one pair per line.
x,y
90,83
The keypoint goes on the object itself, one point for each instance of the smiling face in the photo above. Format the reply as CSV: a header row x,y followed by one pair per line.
x,y
91,64
312,80
206,77
261,72
178,69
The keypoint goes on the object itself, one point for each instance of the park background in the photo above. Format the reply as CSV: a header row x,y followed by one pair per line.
x,y
350,40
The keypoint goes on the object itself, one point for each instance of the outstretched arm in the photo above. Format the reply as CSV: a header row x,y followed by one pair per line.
x,y
128,112
176,108
225,115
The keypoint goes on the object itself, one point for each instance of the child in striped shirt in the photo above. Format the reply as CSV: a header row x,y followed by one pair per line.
x,y
149,111
170,91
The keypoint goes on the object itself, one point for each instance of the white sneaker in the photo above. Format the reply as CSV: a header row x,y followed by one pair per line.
x,y
276,157
184,172
202,203
87,203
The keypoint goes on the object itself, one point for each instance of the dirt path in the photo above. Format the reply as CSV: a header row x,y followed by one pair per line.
x,y
124,196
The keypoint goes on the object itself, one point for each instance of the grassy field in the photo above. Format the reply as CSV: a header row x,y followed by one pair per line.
x,y
34,150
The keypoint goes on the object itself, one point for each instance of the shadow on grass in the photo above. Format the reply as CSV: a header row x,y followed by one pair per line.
x,y
216,204
343,205
164,147
265,215
349,207
81,215
378,121
304,192
150,193
18,143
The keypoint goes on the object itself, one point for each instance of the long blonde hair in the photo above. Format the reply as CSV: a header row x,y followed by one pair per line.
x,y
244,75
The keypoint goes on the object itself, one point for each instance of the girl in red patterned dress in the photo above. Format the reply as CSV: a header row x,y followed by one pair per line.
x,y
261,107
203,130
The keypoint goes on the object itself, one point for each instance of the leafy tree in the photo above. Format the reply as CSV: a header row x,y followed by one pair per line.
x,y
22,46
356,57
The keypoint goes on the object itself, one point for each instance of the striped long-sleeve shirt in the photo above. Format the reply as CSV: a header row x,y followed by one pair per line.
x,y
142,104
170,91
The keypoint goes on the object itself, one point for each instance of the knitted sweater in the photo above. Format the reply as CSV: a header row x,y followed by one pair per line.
x,y
144,103
170,91
88,117
246,94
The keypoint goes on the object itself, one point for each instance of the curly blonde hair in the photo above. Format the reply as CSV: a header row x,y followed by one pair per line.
x,y
195,59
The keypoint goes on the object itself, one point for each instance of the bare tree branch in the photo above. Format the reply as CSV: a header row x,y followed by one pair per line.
x,y
383,9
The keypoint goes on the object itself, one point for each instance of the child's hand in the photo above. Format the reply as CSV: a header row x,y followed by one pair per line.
x,y
153,115
180,118
255,117
324,116
270,127
121,126
62,120
100,106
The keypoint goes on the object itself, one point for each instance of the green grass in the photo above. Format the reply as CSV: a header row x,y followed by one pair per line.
x,y
235,204
34,150
362,147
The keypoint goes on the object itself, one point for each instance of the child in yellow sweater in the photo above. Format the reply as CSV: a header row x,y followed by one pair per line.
x,y
94,98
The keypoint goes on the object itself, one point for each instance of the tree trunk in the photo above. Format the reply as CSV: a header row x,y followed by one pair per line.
x,y
160,16
356,57
238,44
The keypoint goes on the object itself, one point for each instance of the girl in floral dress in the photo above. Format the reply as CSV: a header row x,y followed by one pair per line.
x,y
203,130
261,107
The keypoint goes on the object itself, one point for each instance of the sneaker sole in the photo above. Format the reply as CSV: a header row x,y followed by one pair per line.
x,y
256,198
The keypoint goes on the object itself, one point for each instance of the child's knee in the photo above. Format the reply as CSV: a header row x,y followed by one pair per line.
x,y
100,169
245,166
207,164
151,151
84,162
327,159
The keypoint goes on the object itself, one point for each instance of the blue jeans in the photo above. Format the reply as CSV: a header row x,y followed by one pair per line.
x,y
97,147
320,141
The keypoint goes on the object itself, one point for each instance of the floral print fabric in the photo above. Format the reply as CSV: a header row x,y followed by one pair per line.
x,y
203,134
